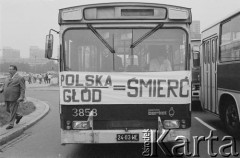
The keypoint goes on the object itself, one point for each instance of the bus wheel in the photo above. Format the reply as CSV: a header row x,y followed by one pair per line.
x,y
231,119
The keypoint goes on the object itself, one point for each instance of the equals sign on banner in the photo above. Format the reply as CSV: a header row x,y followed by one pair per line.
x,y
119,87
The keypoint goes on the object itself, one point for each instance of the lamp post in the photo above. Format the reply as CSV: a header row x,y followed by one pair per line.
x,y
35,64
1,61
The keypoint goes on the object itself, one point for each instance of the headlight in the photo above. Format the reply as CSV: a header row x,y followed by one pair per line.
x,y
168,124
80,125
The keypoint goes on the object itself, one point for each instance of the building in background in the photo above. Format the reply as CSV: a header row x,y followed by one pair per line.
x,y
195,29
36,56
10,55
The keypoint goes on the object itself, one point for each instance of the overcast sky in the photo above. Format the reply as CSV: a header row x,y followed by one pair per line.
x,y
25,23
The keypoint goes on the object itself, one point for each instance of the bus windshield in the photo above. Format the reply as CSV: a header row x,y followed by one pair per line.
x,y
109,50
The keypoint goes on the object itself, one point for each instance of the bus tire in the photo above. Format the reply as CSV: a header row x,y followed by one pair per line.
x,y
231,118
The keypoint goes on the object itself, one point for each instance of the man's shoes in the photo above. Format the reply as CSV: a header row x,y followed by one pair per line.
x,y
9,127
18,119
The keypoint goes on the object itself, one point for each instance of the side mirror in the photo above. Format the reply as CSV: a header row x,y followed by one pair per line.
x,y
196,55
195,48
49,46
196,59
196,52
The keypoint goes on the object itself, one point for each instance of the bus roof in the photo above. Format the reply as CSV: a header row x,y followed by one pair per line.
x,y
222,19
124,3
116,11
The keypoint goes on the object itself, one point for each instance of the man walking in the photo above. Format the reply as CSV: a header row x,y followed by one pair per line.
x,y
14,92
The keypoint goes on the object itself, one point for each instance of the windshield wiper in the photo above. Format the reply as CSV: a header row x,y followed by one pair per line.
x,y
146,35
101,38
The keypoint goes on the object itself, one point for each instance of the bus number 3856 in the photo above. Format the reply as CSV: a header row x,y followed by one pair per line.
x,y
83,112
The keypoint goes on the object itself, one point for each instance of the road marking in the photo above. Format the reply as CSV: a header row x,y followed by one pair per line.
x,y
205,124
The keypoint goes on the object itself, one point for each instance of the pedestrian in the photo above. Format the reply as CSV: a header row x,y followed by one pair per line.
x,y
46,78
13,92
29,79
40,78
34,78
49,78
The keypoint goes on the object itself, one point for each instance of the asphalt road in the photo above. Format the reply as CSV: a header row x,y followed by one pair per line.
x,y
43,139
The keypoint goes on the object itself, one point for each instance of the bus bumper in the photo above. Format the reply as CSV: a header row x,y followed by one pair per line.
x,y
110,136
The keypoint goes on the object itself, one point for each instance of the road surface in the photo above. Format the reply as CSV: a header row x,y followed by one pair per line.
x,y
43,139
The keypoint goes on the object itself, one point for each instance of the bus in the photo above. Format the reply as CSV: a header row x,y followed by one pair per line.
x,y
220,75
195,69
107,92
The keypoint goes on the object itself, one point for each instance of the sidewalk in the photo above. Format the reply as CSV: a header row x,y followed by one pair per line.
x,y
27,121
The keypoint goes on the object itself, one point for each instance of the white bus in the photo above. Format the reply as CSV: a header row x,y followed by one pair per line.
x,y
108,92
220,90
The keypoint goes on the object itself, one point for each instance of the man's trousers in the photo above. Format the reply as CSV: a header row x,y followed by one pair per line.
x,y
12,107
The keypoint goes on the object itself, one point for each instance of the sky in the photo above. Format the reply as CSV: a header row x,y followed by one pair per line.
x,y
25,23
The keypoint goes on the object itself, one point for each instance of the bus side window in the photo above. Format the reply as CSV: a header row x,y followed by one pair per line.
x,y
213,51
230,40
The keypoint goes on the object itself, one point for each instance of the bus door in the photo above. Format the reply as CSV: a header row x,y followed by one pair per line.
x,y
210,75
213,76
206,71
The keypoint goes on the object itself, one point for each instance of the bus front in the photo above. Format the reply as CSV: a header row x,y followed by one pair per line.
x,y
114,82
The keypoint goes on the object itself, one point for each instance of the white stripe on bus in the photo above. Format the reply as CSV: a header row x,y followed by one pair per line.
x,y
205,124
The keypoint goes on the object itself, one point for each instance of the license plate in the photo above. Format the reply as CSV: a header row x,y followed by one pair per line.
x,y
127,137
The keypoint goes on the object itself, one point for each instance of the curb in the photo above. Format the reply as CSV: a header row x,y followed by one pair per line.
x,y
49,88
42,110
